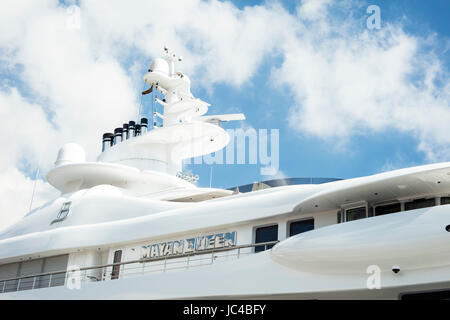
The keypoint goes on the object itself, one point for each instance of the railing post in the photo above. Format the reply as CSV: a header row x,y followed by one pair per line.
x,y
212,257
34,282
239,252
188,259
165,263
4,286
50,281
18,285
143,268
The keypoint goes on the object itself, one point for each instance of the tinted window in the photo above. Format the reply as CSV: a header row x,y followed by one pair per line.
x,y
445,200
8,271
29,268
32,268
297,227
419,203
266,234
356,213
386,209
116,268
53,264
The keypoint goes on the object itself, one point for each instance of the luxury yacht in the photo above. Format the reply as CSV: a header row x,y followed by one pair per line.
x,y
133,225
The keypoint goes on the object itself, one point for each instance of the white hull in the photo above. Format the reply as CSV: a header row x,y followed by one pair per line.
x,y
315,268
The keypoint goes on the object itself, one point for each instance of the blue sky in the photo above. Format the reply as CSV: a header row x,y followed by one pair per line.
x,y
348,101
305,155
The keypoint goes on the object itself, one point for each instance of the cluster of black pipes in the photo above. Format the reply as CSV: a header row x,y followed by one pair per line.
x,y
128,130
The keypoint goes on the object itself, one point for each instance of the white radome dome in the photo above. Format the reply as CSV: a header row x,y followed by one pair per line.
x,y
70,153
160,65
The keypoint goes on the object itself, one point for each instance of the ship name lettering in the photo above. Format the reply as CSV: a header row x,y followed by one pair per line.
x,y
189,245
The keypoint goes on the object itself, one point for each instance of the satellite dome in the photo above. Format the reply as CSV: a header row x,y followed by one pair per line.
x,y
69,153
159,65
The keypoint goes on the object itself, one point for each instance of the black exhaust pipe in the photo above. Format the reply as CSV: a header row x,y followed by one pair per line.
x,y
107,141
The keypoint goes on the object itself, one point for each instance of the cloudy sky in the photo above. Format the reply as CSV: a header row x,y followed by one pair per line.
x,y
348,100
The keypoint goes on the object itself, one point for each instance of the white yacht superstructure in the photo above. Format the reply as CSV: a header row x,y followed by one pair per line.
x,y
132,225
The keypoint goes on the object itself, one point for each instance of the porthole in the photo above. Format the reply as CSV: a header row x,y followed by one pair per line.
x,y
447,228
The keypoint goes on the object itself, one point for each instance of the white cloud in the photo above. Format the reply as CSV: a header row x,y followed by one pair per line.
x,y
313,9
72,95
350,81
17,191
219,42
280,175
25,129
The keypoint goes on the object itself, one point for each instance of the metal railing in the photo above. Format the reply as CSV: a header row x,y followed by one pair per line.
x,y
129,268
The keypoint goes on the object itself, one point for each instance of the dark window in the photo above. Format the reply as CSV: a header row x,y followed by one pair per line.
x,y
116,268
8,271
419,203
355,213
29,268
27,271
339,217
297,227
445,200
431,295
53,264
388,208
266,234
